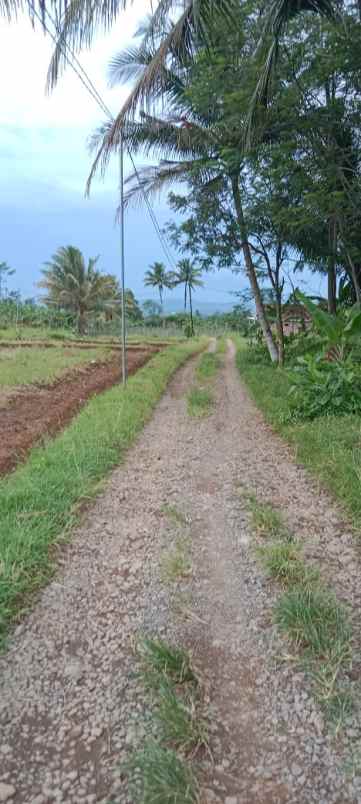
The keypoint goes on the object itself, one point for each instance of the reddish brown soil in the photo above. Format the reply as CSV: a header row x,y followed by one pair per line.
x,y
35,411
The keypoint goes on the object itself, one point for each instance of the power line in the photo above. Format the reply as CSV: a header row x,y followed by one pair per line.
x,y
92,90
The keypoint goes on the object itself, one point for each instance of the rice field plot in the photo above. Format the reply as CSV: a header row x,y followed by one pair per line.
x,y
41,389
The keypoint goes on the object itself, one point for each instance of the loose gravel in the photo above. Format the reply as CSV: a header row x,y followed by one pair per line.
x,y
72,706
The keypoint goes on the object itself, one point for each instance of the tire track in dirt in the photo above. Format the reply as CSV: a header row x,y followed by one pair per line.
x,y
71,704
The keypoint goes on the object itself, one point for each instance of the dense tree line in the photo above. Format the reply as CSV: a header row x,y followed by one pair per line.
x,y
260,123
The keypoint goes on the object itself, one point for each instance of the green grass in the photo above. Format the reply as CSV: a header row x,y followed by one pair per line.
x,y
159,776
208,366
330,447
176,562
319,626
173,513
39,501
222,345
178,720
158,773
162,661
199,402
24,333
282,560
265,520
28,365
315,621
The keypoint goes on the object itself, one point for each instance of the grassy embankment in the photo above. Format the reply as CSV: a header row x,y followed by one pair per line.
x,y
143,335
39,502
24,366
330,446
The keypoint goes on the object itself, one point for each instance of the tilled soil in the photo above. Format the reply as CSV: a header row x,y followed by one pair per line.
x,y
71,704
33,412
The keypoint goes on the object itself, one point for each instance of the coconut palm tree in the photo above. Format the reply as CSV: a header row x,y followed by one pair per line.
x,y
190,277
158,277
195,145
72,285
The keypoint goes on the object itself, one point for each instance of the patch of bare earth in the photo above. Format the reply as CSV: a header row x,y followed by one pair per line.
x,y
71,704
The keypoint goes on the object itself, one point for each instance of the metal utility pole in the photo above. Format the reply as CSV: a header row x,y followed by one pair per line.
x,y
121,179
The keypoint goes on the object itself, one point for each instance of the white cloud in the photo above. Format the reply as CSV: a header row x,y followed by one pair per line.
x,y
44,138
24,58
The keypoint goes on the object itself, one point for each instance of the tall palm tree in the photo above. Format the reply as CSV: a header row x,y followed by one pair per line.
x,y
72,285
190,277
158,277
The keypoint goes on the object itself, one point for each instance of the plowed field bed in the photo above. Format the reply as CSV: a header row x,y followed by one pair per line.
x,y
29,413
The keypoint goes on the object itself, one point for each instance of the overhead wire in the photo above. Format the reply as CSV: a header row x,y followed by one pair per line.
x,y
90,87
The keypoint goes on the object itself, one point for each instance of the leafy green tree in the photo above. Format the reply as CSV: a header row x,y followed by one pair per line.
x,y
158,277
79,288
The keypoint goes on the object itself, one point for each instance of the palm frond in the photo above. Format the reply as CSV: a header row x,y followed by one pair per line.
x,y
151,83
281,11
152,180
80,21
151,136
129,64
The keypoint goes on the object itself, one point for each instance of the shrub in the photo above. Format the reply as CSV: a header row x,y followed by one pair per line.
x,y
304,343
322,388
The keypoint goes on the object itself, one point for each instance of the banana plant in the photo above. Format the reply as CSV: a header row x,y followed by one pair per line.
x,y
339,332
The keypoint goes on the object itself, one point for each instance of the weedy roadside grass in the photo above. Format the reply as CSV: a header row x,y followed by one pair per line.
x,y
23,366
222,345
200,399
178,720
208,366
159,776
330,446
173,513
160,660
265,519
161,771
199,402
283,562
41,501
315,621
319,626
176,562
307,613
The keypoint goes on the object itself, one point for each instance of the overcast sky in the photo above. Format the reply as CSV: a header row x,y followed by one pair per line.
x,y
44,164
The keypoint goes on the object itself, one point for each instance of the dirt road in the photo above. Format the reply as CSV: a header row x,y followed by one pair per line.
x,y
71,704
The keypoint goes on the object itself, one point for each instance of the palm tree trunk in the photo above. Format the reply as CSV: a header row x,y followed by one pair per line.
x,y
185,297
251,273
331,286
331,268
280,332
81,322
191,309
355,278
